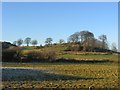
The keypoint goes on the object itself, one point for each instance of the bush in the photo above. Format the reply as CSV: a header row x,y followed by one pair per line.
x,y
34,56
74,48
39,47
9,55
41,56
17,55
50,55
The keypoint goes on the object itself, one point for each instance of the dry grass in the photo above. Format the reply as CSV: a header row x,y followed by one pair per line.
x,y
66,76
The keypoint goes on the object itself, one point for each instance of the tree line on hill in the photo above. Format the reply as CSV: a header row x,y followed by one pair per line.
x,y
86,41
78,41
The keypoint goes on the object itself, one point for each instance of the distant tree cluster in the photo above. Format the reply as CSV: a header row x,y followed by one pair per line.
x,y
78,41
86,41
27,41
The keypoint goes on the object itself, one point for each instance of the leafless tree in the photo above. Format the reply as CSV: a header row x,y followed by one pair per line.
x,y
61,41
103,39
34,42
27,41
86,39
48,41
74,38
114,47
19,42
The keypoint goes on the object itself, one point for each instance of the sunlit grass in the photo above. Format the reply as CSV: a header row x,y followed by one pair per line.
x,y
70,75
89,57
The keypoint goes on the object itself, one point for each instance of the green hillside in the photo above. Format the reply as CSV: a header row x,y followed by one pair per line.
x,y
61,53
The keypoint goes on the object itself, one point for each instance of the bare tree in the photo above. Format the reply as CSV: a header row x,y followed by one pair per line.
x,y
61,41
114,47
98,43
27,41
103,39
19,42
48,41
82,36
85,35
87,39
34,42
74,37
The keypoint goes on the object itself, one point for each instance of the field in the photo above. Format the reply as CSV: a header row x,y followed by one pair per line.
x,y
60,75
62,54
59,45
71,69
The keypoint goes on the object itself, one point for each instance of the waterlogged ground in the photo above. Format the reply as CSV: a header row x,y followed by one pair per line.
x,y
59,75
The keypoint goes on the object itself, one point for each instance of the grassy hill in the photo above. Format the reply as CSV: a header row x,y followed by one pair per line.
x,y
56,52
6,45
86,73
61,53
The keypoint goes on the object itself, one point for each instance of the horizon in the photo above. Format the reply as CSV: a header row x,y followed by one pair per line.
x,y
59,20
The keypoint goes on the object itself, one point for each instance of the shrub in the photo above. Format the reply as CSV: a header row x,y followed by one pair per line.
x,y
74,47
17,55
34,56
39,47
9,55
41,56
50,55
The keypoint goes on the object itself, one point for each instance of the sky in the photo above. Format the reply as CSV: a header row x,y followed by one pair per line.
x,y
58,20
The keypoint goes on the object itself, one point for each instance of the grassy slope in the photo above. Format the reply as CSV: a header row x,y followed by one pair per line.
x,y
90,57
69,75
60,51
